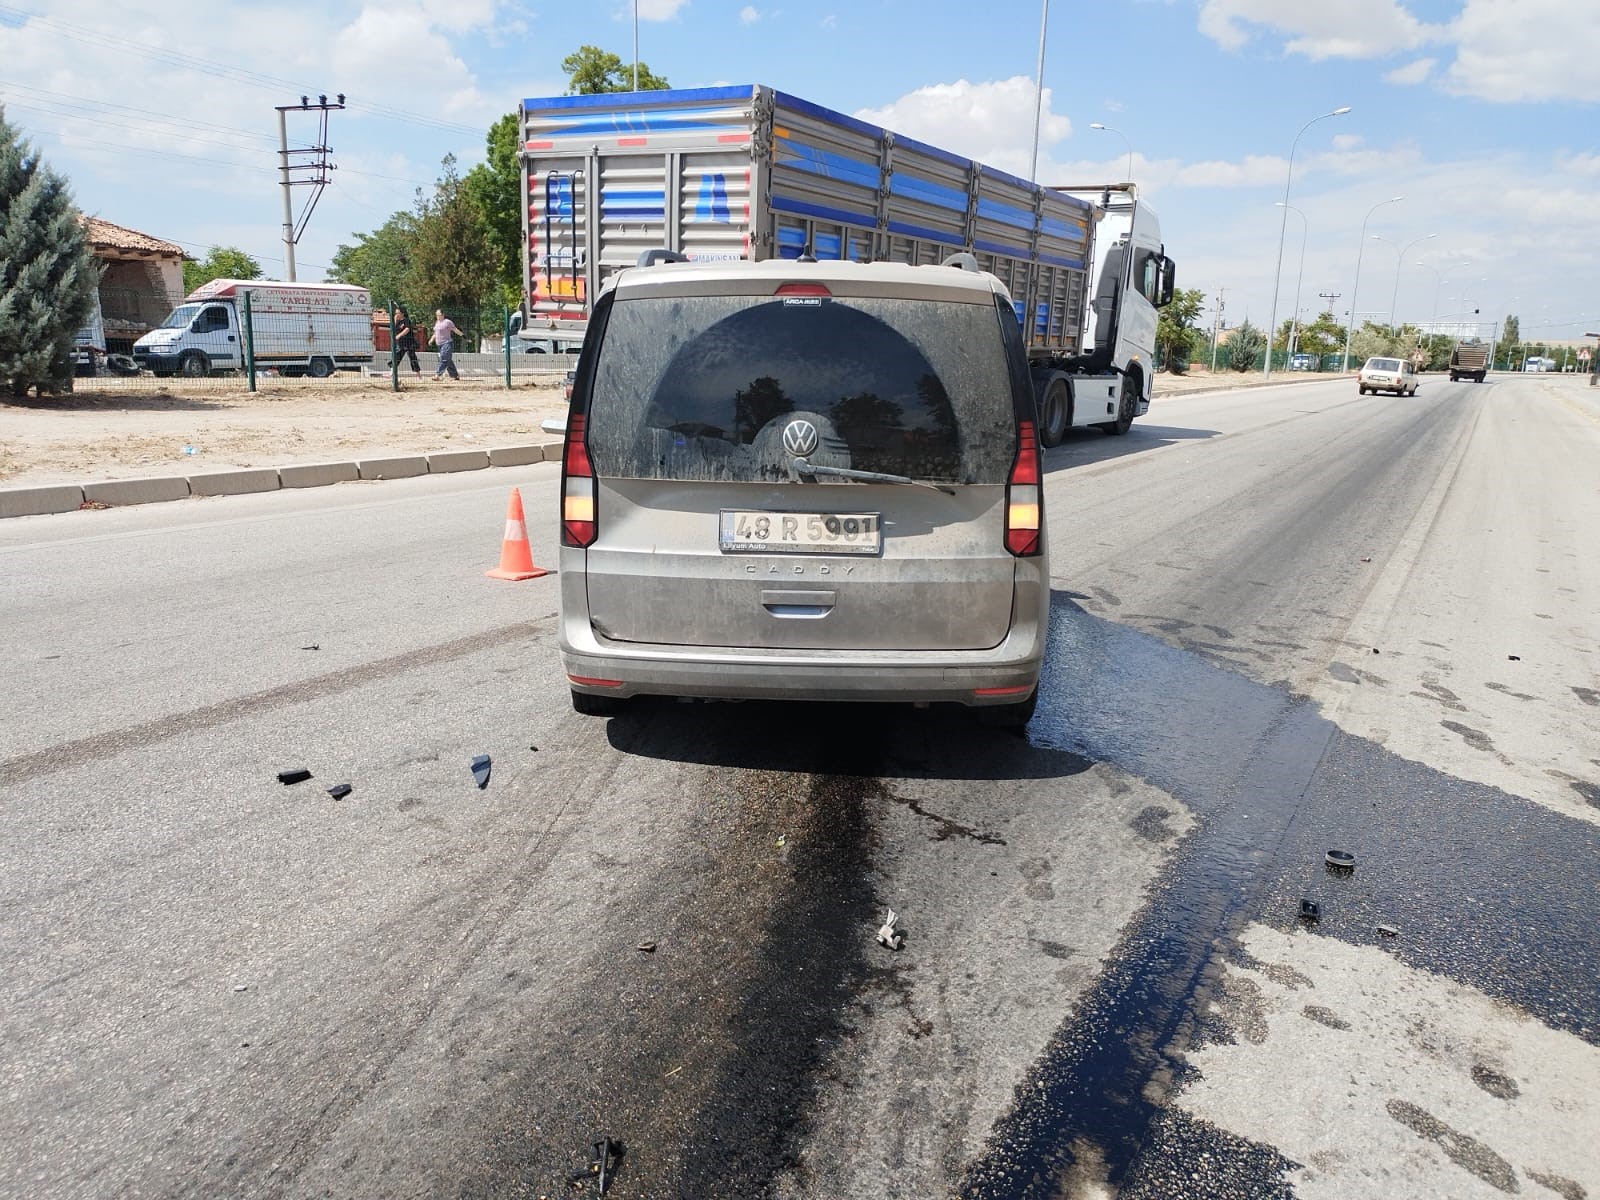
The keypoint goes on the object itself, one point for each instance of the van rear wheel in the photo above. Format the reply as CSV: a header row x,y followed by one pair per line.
x,y
597,706
1009,716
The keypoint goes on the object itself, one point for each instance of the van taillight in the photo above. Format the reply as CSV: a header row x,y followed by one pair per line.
x,y
1023,497
578,527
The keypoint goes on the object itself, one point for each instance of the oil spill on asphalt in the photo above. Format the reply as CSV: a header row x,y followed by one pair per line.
x,y
809,963
703,1058
1488,889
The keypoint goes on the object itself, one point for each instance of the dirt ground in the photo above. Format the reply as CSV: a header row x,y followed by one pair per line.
x,y
108,434
186,429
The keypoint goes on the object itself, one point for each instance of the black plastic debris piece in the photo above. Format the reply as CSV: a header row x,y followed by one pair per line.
x,y
1340,860
313,646
1388,931
480,770
603,1156
535,749
298,775
1514,657
646,947
1366,560
340,790
1375,650
1310,910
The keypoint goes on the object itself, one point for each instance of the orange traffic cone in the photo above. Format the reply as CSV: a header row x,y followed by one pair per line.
x,y
516,559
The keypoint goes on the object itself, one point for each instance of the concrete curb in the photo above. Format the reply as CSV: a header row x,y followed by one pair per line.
x,y
137,491
235,483
46,499
457,460
318,474
39,501
400,466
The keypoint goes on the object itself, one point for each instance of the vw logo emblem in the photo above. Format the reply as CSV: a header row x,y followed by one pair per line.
x,y
800,438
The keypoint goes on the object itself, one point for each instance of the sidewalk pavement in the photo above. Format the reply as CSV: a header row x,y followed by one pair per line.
x,y
57,498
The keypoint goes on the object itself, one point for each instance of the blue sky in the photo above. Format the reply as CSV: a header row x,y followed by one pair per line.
x,y
1481,113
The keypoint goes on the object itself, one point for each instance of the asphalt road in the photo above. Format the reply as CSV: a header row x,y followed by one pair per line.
x,y
1287,620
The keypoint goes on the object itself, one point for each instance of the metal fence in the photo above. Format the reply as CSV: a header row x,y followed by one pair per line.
x,y
254,342
1201,356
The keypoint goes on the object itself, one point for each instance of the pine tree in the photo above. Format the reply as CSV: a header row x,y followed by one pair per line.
x,y
47,275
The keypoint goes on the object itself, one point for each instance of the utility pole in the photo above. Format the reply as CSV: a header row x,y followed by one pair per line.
x,y
1216,317
309,166
1331,298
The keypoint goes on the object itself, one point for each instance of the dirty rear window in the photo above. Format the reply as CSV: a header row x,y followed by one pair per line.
x,y
704,388
1383,364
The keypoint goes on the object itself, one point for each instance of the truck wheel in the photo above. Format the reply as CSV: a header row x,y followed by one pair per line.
x,y
194,365
1055,411
1127,408
320,368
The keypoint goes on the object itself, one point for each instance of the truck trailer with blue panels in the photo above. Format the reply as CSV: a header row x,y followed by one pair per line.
x,y
750,172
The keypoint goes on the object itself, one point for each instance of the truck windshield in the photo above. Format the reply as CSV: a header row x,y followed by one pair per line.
x,y
180,317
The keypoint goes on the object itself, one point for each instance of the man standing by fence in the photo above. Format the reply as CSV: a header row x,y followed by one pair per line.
x,y
444,336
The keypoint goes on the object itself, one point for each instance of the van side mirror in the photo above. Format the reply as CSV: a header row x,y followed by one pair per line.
x,y
1168,276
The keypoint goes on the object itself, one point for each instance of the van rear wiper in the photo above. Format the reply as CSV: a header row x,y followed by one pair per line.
x,y
800,466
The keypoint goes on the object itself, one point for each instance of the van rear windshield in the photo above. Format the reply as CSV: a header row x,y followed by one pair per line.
x,y
1385,364
704,388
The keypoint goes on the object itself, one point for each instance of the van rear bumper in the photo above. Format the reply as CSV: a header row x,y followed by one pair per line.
x,y
1011,669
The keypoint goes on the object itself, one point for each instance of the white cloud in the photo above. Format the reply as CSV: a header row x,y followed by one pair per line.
x,y
749,15
1527,50
659,10
1347,141
1587,163
830,22
1350,29
1413,72
991,121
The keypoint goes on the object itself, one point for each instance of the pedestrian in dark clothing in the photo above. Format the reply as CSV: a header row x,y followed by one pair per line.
x,y
405,340
444,336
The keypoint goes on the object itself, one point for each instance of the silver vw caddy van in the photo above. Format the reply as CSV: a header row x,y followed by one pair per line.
x,y
804,481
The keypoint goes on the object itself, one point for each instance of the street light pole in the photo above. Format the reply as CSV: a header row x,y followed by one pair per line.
x,y
1038,90
636,45
1394,296
1283,227
1294,321
1355,291
1124,137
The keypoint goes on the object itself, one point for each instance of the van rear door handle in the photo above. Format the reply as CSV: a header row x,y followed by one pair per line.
x,y
798,603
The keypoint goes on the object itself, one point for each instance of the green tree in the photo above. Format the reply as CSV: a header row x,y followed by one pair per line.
x,y
1175,332
495,187
1511,331
47,275
1245,345
380,261
453,264
221,262
591,70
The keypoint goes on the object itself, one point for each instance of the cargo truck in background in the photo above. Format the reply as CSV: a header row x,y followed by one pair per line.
x,y
747,172
1469,360
298,329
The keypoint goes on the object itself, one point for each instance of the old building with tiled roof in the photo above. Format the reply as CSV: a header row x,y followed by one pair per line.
x,y
141,280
